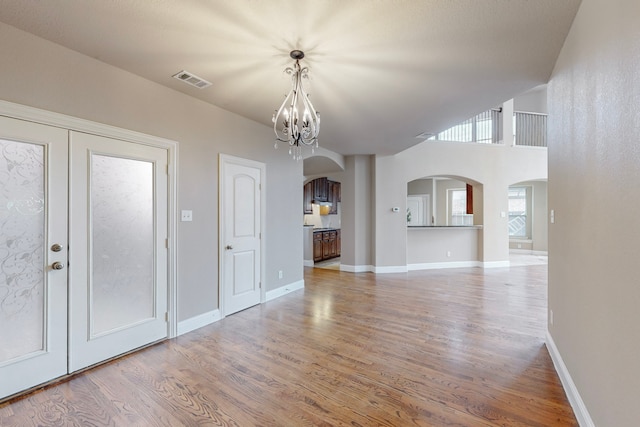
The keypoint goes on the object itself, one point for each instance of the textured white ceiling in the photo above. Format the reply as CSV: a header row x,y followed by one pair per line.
x,y
382,71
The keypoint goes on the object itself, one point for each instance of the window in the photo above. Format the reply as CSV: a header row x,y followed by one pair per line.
x,y
457,207
483,128
518,212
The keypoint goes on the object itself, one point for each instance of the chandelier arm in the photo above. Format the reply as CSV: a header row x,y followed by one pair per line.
x,y
282,135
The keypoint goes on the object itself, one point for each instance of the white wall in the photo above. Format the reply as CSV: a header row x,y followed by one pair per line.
x,y
594,168
41,74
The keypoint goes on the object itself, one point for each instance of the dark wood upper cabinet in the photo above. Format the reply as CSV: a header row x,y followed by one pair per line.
x,y
334,196
307,197
320,189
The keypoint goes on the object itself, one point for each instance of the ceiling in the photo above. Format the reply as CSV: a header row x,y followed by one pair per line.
x,y
381,71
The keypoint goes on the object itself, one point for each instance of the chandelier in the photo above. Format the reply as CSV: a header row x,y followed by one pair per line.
x,y
299,122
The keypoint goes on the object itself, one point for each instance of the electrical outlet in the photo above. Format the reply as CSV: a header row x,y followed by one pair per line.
x,y
186,216
448,253
280,274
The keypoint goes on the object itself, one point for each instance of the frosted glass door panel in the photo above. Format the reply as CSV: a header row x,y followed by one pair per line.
x,y
33,238
22,257
122,242
117,247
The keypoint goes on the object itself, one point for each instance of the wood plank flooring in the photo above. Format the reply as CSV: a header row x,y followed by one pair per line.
x,y
461,347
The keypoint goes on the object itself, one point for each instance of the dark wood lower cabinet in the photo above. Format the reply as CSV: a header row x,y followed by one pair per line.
x,y
326,244
317,246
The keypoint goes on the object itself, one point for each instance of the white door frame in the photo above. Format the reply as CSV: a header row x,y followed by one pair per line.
x,y
18,111
223,159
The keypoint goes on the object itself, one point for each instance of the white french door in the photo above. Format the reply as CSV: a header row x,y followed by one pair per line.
x,y
33,219
118,248
241,234
83,250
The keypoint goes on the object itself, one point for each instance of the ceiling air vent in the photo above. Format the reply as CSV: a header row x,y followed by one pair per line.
x,y
425,135
192,79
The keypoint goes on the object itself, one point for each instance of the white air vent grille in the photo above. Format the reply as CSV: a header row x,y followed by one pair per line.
x,y
192,79
425,135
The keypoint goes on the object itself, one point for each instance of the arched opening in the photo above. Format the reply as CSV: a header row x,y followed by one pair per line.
x,y
528,225
322,209
444,222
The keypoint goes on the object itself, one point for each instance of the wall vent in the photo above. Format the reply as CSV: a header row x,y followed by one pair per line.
x,y
192,79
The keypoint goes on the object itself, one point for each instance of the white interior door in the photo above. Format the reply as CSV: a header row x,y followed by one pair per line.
x,y
241,207
33,218
118,247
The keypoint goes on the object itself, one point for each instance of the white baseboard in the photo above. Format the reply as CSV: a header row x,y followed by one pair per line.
x,y
199,321
308,263
390,269
437,265
495,264
579,408
356,268
528,252
283,290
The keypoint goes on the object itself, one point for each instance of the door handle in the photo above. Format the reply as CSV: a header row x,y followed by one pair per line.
x,y
229,247
57,265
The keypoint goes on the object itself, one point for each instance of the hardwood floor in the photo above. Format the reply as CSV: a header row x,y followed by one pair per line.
x,y
461,347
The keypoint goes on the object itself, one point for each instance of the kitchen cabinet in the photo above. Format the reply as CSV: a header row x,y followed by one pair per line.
x,y
307,198
317,246
333,194
320,189
326,244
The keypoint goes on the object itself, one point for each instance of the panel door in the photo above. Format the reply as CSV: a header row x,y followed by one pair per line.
x,y
118,248
33,218
241,200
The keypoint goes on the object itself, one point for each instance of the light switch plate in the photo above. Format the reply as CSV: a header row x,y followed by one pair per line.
x,y
186,216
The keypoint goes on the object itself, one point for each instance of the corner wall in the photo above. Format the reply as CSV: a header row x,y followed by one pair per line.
x,y
594,168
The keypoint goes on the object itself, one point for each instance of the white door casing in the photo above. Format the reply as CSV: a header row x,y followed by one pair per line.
x,y
33,217
118,251
241,218
47,133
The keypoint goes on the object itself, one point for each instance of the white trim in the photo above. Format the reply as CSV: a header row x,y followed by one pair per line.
x,y
390,269
198,321
528,252
356,268
283,290
308,263
63,121
437,265
495,264
579,408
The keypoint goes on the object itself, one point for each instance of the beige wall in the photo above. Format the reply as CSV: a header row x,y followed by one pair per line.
x,y
357,206
594,167
41,74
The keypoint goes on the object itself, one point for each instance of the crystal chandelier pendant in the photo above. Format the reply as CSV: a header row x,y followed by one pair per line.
x,y
296,122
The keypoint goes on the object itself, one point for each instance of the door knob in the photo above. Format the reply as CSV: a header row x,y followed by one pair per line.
x,y
57,265
229,247
56,248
